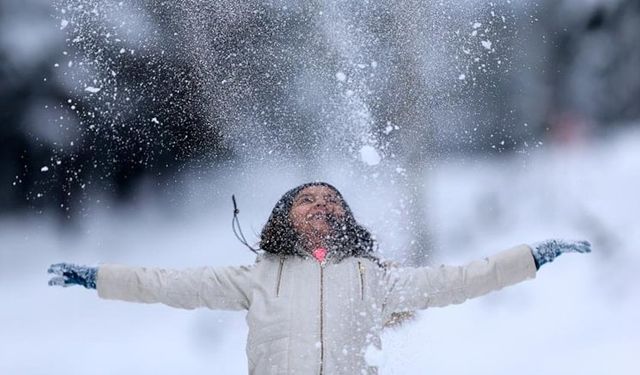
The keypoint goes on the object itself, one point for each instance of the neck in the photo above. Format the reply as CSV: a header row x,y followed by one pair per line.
x,y
313,242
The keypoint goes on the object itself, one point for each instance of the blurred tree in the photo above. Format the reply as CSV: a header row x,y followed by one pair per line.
x,y
588,63
111,108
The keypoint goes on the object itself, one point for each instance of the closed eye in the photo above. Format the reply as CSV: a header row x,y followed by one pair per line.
x,y
332,199
305,199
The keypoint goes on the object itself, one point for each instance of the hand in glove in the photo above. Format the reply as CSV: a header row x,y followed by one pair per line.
x,y
71,274
547,251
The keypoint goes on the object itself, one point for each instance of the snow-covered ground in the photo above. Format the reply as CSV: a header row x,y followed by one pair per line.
x,y
580,315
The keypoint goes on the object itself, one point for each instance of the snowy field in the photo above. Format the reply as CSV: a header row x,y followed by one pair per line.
x,y
579,316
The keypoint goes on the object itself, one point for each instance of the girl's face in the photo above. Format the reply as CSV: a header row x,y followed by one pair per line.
x,y
314,209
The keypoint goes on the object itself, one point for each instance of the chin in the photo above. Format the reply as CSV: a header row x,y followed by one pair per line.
x,y
321,230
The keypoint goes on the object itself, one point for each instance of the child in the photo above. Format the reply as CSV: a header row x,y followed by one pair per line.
x,y
317,296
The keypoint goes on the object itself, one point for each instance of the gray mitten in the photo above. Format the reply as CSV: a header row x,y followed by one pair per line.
x,y
546,251
71,274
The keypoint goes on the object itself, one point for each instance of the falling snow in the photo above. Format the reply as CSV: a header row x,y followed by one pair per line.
x,y
369,155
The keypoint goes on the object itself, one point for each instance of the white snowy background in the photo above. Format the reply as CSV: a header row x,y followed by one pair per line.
x,y
509,137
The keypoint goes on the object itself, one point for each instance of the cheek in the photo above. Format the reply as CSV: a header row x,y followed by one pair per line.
x,y
297,218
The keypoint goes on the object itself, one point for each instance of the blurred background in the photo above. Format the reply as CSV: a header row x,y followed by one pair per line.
x,y
454,130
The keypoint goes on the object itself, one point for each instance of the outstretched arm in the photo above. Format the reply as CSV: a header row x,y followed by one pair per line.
x,y
216,288
423,287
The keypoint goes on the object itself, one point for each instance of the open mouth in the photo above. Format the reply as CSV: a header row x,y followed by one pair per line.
x,y
318,216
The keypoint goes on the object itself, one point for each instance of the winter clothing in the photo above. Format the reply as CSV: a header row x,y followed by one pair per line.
x,y
71,274
547,251
311,317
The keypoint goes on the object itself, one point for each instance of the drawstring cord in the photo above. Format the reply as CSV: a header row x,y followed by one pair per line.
x,y
235,226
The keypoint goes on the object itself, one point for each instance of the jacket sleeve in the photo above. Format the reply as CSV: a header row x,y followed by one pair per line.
x,y
225,288
412,288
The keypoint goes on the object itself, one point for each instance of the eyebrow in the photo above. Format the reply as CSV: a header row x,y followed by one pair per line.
x,y
330,195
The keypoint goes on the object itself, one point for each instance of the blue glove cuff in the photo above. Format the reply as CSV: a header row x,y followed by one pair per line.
x,y
545,252
90,278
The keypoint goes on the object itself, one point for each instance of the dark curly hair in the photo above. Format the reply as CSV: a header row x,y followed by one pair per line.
x,y
279,237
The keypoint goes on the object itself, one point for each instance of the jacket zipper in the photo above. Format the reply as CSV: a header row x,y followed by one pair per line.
x,y
321,318
279,276
361,271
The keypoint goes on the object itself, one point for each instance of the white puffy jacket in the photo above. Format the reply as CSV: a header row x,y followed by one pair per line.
x,y
310,318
